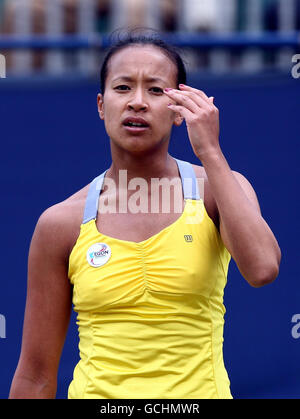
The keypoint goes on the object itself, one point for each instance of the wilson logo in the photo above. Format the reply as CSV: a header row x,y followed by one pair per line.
x,y
188,238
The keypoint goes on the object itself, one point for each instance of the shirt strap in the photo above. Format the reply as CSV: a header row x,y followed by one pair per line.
x,y
92,200
188,179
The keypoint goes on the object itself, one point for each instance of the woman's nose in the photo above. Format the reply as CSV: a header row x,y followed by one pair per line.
x,y
137,101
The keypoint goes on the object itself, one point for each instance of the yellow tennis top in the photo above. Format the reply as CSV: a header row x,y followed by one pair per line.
x,y
150,313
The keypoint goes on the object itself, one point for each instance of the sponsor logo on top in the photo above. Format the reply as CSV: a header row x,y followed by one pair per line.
x,y
98,254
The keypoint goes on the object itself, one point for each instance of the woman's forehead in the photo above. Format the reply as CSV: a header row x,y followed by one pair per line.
x,y
138,60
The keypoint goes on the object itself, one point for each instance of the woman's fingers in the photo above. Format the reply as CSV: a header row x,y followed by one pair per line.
x,y
191,104
198,92
190,100
181,110
200,114
182,99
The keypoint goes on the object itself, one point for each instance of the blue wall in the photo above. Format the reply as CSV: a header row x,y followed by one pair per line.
x,y
52,144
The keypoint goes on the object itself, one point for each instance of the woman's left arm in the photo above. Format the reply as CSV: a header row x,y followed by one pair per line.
x,y
244,232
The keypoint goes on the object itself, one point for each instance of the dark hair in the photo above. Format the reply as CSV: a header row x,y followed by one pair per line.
x,y
142,37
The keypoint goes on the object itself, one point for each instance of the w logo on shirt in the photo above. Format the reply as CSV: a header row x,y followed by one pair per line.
x,y
188,238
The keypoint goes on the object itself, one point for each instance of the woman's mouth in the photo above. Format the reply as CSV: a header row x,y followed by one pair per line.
x,y
132,124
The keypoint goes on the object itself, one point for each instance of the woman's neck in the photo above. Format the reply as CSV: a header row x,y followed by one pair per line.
x,y
146,166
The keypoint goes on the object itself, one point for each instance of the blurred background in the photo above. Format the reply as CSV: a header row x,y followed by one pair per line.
x,y
242,52
66,35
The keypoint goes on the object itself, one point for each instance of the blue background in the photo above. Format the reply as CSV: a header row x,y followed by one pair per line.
x,y
53,144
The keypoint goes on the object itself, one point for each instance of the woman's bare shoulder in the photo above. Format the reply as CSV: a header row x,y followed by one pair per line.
x,y
62,220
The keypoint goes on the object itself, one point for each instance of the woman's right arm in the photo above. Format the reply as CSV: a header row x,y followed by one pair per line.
x,y
48,309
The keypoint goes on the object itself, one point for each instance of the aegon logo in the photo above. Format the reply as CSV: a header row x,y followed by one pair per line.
x,y
98,254
2,67
101,253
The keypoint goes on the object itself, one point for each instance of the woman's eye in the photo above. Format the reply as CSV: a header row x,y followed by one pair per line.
x,y
156,90
122,87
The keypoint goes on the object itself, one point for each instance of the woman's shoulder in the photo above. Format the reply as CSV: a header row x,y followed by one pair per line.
x,y
208,198
62,220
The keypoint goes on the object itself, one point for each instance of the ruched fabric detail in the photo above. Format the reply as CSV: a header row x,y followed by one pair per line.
x,y
151,318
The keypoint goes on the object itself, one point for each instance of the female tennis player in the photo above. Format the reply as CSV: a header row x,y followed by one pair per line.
x,y
147,285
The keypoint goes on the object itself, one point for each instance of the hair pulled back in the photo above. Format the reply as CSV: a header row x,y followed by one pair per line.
x,y
122,39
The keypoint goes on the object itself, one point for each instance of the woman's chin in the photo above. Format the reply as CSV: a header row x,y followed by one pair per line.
x,y
136,146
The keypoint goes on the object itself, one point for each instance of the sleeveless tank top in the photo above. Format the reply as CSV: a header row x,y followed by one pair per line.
x,y
150,314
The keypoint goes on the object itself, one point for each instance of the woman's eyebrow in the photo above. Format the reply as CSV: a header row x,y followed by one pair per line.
x,y
155,79
131,79
124,78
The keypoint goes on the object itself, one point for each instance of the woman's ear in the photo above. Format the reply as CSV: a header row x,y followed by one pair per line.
x,y
100,104
178,120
